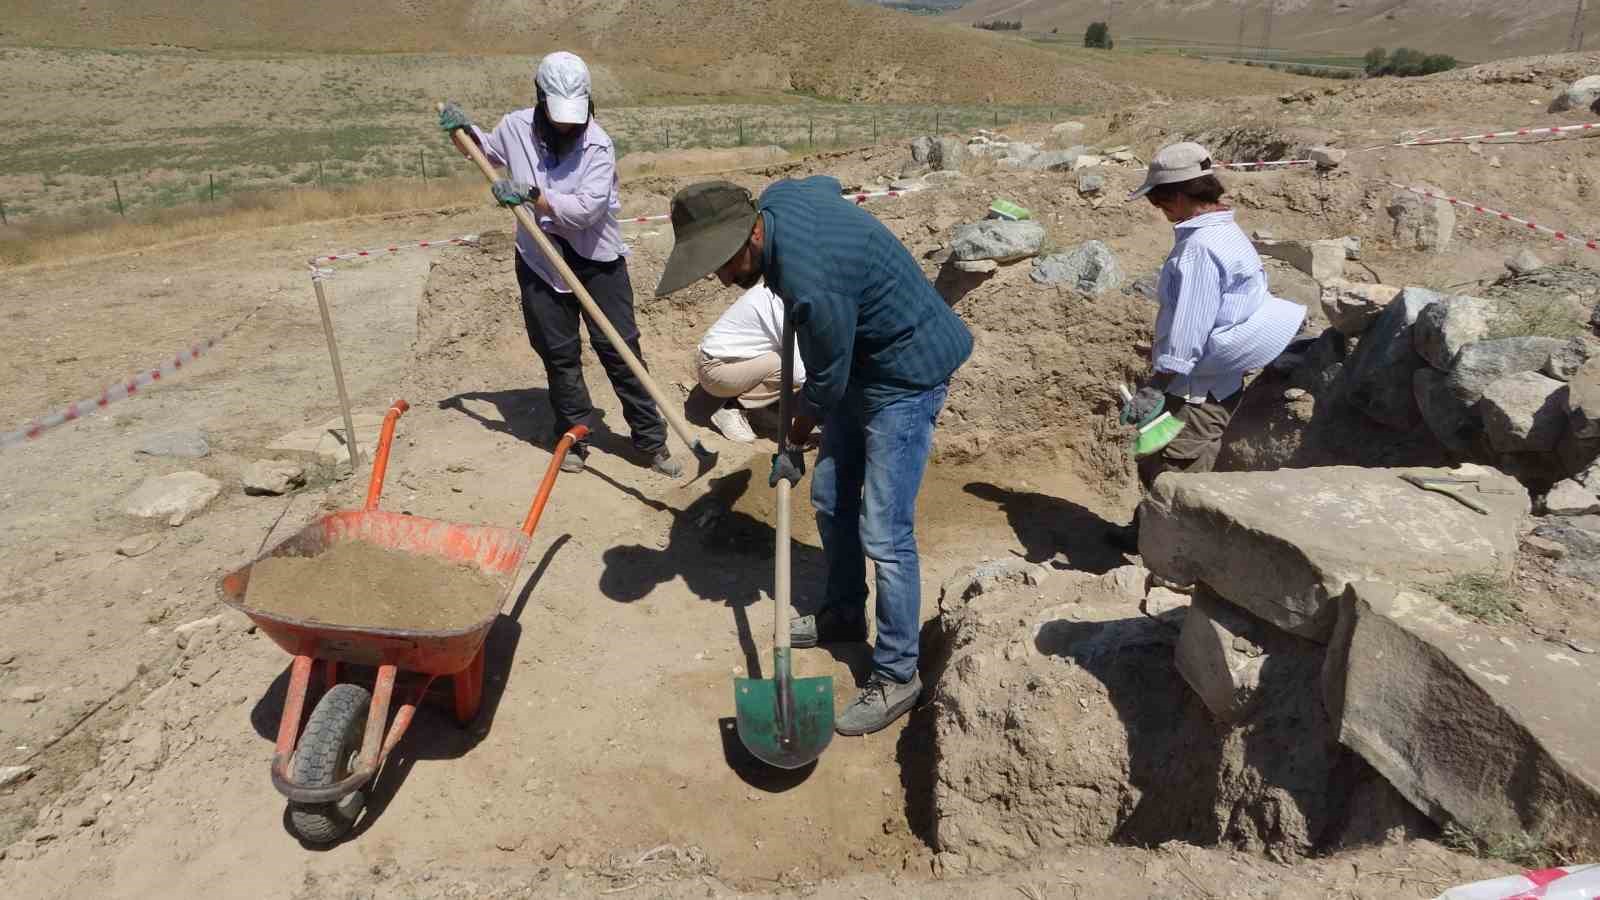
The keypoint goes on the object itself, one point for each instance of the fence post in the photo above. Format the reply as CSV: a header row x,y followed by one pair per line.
x,y
741,132
321,181
874,128
422,160
3,219
936,122
997,119
811,132
211,187
666,131
118,190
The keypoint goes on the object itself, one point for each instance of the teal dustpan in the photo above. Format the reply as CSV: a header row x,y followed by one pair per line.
x,y
784,721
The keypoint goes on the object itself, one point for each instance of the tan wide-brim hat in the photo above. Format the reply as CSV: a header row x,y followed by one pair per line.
x,y
1173,164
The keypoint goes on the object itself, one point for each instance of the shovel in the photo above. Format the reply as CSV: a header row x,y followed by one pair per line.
x,y
706,457
786,722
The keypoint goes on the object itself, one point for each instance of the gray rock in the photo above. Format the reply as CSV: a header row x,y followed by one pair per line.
x,y
1378,376
1482,362
975,266
1352,248
174,497
1068,131
1565,363
907,184
28,693
1090,183
327,444
989,576
1090,268
186,444
10,775
140,544
1411,686
270,477
1579,95
1322,260
914,169
1421,223
1285,544
1146,286
1449,325
1449,411
1524,413
1352,306
1569,498
1524,263
998,240
1054,160
1328,157
1583,401
148,748
947,155
922,150
1218,658
1023,152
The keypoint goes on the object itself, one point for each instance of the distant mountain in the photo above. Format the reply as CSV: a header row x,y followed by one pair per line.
x,y
1469,29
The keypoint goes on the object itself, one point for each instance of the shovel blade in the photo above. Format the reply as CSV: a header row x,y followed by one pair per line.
x,y
761,725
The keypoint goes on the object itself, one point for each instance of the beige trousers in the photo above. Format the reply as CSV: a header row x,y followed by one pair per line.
x,y
756,381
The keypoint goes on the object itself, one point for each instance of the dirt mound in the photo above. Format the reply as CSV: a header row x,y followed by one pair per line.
x,y
361,584
1060,720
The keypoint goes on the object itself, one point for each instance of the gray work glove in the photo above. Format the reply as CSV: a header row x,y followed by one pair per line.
x,y
789,466
1143,407
513,193
453,117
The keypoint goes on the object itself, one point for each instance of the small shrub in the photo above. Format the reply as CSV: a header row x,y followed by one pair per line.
x,y
1484,598
1098,36
1516,847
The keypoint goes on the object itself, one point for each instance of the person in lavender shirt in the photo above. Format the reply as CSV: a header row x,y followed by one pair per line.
x,y
559,161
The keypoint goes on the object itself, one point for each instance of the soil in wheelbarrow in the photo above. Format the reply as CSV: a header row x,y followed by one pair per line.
x,y
366,586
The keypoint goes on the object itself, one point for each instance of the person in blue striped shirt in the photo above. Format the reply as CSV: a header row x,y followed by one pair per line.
x,y
1217,319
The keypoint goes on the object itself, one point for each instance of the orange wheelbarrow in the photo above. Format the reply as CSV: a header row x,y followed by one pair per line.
x,y
345,741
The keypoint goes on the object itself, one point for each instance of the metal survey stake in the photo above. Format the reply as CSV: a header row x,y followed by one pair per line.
x,y
338,373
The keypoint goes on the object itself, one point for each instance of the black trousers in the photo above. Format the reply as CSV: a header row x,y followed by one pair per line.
x,y
552,320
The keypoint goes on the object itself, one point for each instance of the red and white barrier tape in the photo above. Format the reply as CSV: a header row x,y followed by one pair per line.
x,y
858,198
1559,235
122,390
393,248
1516,132
1264,165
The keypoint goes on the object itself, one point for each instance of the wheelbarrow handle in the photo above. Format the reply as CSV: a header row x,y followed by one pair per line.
x,y
574,434
380,458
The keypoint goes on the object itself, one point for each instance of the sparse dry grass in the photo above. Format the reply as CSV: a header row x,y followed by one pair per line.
x,y
1484,598
77,236
1517,847
1538,317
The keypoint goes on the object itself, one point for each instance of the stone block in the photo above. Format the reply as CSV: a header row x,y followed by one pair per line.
x,y
1524,412
1378,376
1218,656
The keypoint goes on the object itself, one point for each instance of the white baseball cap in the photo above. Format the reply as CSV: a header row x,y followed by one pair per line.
x,y
1175,163
564,79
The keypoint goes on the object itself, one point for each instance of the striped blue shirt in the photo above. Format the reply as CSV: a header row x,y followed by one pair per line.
x,y
1217,319
866,318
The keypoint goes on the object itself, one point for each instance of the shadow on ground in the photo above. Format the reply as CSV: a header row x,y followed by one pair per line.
x,y
1050,528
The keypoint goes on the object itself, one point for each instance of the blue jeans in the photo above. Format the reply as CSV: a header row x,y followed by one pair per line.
x,y
865,492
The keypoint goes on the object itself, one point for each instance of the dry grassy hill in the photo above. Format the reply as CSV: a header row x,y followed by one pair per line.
x,y
1469,29
831,48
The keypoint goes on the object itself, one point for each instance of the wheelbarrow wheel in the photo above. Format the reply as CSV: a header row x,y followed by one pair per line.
x,y
327,753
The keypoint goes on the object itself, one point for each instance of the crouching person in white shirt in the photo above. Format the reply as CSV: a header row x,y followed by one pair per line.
x,y
738,361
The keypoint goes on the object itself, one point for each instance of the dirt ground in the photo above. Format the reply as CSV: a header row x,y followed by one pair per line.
x,y
604,759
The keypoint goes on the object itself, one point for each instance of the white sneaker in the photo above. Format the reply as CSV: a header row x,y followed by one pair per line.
x,y
733,425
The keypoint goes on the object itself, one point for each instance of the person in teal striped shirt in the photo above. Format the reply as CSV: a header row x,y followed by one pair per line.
x,y
879,346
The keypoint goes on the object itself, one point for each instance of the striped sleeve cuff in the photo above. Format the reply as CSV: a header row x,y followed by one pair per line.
x,y
1166,363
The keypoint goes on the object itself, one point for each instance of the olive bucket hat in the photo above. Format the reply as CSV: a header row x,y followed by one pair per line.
x,y
710,223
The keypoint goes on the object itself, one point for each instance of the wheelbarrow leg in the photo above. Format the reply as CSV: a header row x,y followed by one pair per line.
x,y
469,690
294,705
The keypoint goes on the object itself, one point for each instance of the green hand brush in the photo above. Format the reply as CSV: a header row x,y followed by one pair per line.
x,y
1155,432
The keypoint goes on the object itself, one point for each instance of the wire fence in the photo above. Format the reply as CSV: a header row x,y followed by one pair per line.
x,y
421,154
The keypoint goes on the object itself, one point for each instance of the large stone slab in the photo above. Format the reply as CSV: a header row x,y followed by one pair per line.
x,y
997,239
1421,223
1500,734
1448,403
173,497
1322,260
1524,412
1090,269
1285,544
1378,377
1353,306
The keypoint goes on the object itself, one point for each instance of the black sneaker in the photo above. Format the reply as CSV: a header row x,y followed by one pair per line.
x,y
574,462
825,628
